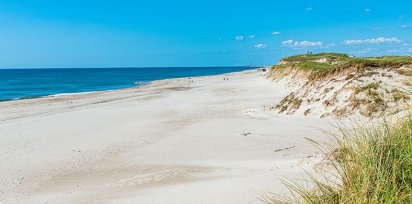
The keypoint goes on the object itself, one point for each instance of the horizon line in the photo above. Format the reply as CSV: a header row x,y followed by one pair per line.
x,y
151,67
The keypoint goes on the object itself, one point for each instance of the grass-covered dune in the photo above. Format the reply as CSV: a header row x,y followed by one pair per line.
x,y
367,164
323,63
340,85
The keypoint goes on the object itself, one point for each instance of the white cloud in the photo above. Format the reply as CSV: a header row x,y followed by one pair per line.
x,y
276,33
379,40
309,9
240,37
405,26
305,43
260,46
287,42
308,44
251,36
367,10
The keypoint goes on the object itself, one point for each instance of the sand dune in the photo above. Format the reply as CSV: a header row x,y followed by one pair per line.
x,y
173,141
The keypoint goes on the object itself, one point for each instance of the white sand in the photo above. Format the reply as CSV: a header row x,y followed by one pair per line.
x,y
170,142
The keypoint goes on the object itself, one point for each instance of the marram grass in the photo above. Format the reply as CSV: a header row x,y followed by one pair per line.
x,y
336,62
373,165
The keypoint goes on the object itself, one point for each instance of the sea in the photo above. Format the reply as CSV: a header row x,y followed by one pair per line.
x,y
17,84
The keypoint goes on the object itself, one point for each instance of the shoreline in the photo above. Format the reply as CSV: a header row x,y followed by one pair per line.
x,y
120,89
195,140
135,85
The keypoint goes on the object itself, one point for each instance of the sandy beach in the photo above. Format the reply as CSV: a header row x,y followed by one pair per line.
x,y
198,140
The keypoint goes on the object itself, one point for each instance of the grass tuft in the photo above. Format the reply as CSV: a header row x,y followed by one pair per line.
x,y
374,165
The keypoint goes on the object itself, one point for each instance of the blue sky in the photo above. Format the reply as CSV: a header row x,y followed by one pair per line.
x,y
110,33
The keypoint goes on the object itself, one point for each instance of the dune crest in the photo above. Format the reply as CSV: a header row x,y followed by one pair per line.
x,y
331,84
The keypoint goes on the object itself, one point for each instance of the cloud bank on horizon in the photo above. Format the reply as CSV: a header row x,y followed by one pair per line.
x,y
196,33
